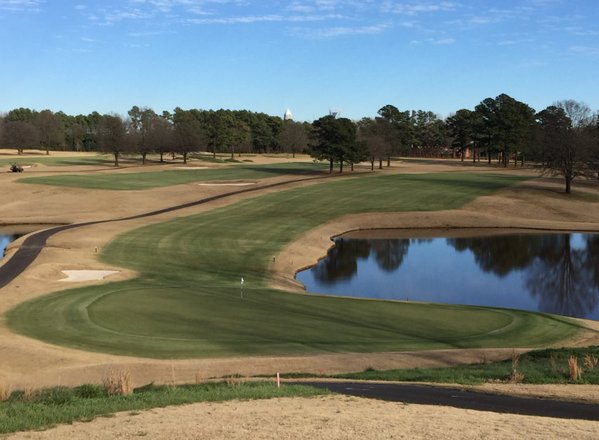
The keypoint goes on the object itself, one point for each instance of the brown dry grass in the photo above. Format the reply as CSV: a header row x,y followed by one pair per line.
x,y
516,376
5,392
574,368
590,361
118,383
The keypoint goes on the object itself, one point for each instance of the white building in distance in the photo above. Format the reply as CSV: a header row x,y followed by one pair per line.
x,y
287,116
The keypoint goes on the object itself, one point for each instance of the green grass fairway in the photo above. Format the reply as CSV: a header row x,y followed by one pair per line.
x,y
147,180
188,302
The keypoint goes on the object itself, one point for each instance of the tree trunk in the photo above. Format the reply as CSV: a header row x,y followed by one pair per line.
x,y
351,166
161,157
473,155
173,155
568,184
185,153
143,158
516,159
372,164
489,155
116,158
463,154
380,163
47,152
341,166
522,160
330,166
388,161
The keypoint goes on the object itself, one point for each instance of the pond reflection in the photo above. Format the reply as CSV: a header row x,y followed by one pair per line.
x,y
554,273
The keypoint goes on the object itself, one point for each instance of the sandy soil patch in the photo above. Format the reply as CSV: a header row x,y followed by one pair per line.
x,y
74,276
330,417
191,168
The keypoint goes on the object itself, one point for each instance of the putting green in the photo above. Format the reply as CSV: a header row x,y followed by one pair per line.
x,y
188,300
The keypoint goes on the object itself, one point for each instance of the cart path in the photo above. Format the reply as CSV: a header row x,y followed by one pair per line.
x,y
443,396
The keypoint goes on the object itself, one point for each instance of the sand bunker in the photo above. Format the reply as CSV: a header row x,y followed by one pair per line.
x,y
228,184
191,168
86,275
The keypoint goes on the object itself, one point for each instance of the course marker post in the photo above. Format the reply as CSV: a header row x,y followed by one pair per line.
x,y
278,380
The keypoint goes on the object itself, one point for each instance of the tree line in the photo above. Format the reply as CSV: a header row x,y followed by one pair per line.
x,y
144,131
563,138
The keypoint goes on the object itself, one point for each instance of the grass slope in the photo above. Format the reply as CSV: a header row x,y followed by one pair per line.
x,y
187,301
548,366
156,179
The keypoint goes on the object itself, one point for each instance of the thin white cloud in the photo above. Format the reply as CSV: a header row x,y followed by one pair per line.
x,y
436,41
21,5
444,41
118,15
416,8
581,32
585,50
341,31
89,40
263,18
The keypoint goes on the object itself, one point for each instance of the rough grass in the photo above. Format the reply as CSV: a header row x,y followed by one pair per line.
x,y
157,179
188,301
46,408
549,366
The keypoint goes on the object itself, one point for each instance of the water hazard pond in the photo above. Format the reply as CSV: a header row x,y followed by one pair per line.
x,y
547,272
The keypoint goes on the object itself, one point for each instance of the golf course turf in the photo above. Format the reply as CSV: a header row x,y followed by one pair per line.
x,y
187,301
157,179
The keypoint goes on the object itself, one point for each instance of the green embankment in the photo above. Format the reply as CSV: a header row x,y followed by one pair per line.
x,y
549,366
188,302
156,179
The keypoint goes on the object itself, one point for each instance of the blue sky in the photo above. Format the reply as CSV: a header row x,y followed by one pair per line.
x,y
310,56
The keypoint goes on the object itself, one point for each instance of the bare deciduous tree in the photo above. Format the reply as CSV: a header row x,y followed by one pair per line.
x,y
293,137
20,135
112,136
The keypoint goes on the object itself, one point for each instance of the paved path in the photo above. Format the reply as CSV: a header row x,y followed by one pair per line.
x,y
432,395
